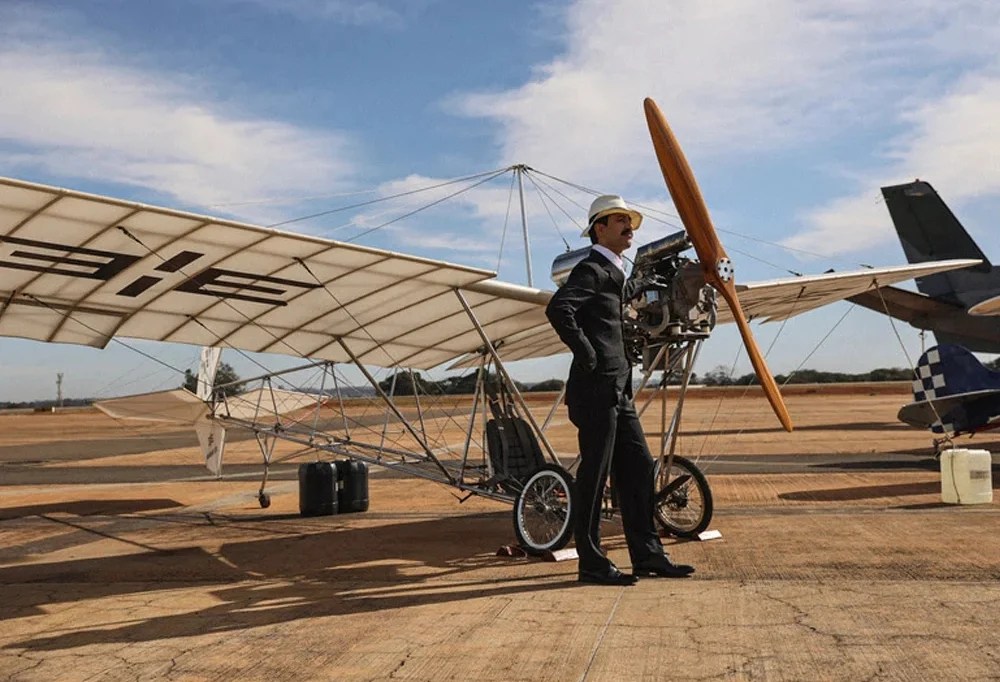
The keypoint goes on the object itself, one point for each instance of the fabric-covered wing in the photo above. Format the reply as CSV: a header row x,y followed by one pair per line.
x,y
763,301
785,298
178,405
79,268
538,340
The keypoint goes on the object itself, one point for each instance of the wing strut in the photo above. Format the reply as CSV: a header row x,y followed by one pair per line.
x,y
715,263
392,406
488,345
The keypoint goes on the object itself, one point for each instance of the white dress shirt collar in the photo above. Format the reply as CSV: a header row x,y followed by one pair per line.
x,y
615,259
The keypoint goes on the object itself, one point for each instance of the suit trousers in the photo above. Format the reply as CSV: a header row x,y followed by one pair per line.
x,y
611,439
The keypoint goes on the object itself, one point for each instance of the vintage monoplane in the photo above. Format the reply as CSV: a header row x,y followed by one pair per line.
x,y
84,269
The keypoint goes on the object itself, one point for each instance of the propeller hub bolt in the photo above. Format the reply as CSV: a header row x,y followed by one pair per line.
x,y
724,267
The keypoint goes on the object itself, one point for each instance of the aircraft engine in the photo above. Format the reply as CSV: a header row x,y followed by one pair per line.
x,y
676,308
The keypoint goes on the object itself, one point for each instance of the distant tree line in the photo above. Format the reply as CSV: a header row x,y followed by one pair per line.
x,y
720,376
44,404
465,384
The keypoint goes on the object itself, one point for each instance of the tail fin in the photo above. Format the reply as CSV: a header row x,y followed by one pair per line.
x,y
926,226
207,368
953,392
928,230
947,370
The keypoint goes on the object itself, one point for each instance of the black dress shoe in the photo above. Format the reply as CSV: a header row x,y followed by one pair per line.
x,y
610,576
661,567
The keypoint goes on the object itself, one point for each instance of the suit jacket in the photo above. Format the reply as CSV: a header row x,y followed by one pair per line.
x,y
586,313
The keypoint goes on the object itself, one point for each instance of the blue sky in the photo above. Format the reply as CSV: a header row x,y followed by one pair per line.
x,y
792,115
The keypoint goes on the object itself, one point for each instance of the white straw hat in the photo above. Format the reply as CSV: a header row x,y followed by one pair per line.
x,y
606,204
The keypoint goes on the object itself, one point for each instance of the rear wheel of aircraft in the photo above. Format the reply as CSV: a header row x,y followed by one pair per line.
x,y
682,500
265,500
543,510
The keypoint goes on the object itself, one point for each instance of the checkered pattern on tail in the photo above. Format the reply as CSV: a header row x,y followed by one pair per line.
x,y
929,382
951,370
930,377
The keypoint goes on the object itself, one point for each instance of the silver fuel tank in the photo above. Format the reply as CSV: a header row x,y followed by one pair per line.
x,y
565,262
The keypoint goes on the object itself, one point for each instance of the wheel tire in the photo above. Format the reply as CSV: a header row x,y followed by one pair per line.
x,y
265,500
682,503
543,510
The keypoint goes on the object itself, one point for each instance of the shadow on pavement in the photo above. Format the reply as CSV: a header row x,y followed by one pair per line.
x,y
862,492
305,574
88,508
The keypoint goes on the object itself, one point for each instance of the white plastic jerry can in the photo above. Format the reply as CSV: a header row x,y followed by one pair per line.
x,y
966,476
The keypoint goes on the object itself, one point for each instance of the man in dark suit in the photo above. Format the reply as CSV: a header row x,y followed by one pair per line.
x,y
587,312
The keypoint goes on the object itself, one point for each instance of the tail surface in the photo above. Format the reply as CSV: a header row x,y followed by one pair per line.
x,y
208,366
926,226
928,231
952,392
948,370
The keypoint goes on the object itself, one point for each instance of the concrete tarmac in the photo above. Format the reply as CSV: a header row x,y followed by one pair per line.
x,y
824,572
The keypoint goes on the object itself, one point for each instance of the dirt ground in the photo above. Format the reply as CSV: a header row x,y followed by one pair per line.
x,y
830,572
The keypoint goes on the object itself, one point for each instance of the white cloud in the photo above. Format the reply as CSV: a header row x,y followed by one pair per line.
x,y
81,111
952,141
728,75
956,138
750,79
845,224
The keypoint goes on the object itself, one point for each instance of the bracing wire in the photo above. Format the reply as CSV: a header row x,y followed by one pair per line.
x,y
674,221
818,345
69,316
532,172
506,220
542,198
250,320
767,352
225,302
768,263
360,326
909,361
427,206
407,193
289,200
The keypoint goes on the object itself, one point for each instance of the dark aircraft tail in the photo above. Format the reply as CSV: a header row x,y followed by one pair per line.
x,y
928,230
952,392
926,226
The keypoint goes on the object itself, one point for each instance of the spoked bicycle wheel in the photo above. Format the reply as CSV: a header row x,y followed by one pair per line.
x,y
543,510
682,500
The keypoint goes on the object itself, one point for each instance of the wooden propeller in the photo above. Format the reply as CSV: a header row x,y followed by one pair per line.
x,y
715,263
